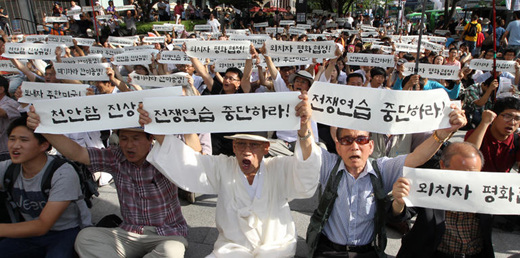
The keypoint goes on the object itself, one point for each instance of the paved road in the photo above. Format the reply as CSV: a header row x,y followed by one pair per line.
x,y
202,233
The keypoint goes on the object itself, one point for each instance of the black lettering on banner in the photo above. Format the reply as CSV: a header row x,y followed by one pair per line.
x,y
449,190
117,110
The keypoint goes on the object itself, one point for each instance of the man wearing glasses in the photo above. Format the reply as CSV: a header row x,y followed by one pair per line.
x,y
349,221
253,215
495,135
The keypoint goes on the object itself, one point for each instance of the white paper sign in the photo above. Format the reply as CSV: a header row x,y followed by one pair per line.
x,y
58,19
31,51
441,32
371,60
67,40
170,80
202,27
34,91
88,8
137,48
133,58
287,22
104,17
432,46
487,65
154,39
274,30
387,49
320,49
404,47
163,27
223,113
297,31
90,59
304,26
315,36
95,113
83,72
280,61
129,7
261,24
432,71
71,12
8,66
239,32
352,32
464,191
440,40
221,65
257,40
85,42
106,52
36,38
218,49
174,57
379,110
120,41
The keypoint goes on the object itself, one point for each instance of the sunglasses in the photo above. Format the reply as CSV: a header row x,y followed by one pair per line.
x,y
348,140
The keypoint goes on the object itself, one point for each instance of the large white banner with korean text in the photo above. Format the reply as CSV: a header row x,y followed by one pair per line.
x,y
95,113
379,110
371,60
464,191
223,113
133,58
83,72
257,40
31,51
432,71
90,59
34,91
487,65
177,79
106,52
310,49
226,49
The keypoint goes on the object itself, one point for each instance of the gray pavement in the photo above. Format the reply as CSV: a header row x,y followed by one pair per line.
x,y
202,232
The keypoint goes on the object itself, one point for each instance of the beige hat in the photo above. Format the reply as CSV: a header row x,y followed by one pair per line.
x,y
249,136
303,74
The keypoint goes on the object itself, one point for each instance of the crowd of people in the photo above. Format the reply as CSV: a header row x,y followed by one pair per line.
x,y
256,174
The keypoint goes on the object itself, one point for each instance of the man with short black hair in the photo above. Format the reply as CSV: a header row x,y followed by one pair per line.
x,y
8,112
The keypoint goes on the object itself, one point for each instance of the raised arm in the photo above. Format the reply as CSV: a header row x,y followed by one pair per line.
x,y
67,147
478,134
269,62
304,111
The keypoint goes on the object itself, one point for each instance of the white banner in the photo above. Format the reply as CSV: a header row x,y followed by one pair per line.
x,y
58,19
55,39
104,17
177,79
106,52
120,41
34,91
297,31
36,38
352,32
379,110
31,51
371,60
221,65
311,49
137,48
387,49
174,57
487,65
71,12
223,113
261,25
257,39
202,27
440,40
154,39
129,7
85,42
372,40
8,66
407,47
304,26
163,27
90,59
280,61
432,46
218,49
133,58
274,30
239,32
287,22
315,36
88,8
464,191
95,113
431,71
83,72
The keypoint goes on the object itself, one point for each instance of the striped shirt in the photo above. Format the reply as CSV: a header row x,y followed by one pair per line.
x,y
146,197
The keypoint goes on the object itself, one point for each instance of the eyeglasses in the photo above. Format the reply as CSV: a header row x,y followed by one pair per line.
x,y
230,78
348,140
252,145
509,117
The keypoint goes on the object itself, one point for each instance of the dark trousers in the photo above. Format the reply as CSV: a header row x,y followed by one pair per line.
x,y
326,248
53,244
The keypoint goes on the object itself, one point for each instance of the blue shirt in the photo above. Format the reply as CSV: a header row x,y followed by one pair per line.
x,y
453,93
351,221
514,33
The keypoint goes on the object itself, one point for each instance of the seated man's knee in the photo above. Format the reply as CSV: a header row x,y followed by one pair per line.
x,y
170,248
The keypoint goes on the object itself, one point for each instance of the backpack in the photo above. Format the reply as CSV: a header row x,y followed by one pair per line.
x,y
87,183
472,30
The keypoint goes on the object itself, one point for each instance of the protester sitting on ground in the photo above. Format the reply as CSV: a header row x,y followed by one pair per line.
x,y
51,221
